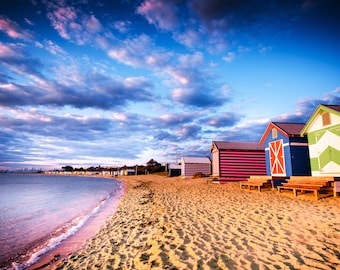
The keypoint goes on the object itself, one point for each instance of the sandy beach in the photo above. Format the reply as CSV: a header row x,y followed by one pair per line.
x,y
172,223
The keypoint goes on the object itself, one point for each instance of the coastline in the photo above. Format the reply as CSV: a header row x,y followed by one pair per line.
x,y
172,223
79,236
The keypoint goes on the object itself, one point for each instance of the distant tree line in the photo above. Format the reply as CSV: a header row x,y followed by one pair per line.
x,y
152,166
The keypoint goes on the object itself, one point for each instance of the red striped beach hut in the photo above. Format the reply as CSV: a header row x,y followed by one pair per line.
x,y
235,161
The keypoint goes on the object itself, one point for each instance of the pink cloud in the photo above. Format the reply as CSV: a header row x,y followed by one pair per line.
x,y
65,14
190,38
13,30
160,13
9,50
62,19
72,24
132,52
93,25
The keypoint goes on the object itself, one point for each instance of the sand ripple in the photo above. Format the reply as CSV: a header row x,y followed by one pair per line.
x,y
170,223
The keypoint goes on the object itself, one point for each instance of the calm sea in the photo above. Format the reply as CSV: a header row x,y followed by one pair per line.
x,y
38,212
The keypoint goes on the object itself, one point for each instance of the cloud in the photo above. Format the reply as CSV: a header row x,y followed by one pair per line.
x,y
171,120
189,37
191,60
160,13
223,120
13,30
31,134
188,132
62,20
10,50
97,91
16,59
122,26
133,51
10,154
92,24
72,24
306,107
197,97
185,24
53,48
230,57
166,136
197,89
71,82
215,24
104,93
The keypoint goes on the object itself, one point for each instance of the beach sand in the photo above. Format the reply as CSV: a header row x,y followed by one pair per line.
x,y
172,223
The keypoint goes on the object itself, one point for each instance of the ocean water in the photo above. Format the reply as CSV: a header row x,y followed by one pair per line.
x,y
38,212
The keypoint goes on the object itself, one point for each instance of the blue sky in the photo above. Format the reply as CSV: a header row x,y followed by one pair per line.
x,y
87,83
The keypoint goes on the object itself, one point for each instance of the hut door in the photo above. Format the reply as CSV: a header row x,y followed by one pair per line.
x,y
277,159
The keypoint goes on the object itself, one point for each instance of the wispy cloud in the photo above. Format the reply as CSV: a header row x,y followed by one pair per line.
x,y
13,30
230,57
162,14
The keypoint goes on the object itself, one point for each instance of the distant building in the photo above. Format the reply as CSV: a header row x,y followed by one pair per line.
x,y
174,170
192,165
286,151
127,171
323,132
235,161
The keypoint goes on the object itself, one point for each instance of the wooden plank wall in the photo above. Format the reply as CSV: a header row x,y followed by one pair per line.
x,y
239,165
192,168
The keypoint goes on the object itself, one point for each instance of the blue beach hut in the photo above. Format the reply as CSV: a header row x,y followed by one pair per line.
x,y
286,151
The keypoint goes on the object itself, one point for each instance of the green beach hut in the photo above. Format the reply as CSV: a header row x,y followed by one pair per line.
x,y
323,133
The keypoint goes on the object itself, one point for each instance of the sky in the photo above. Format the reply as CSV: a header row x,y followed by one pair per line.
x,y
112,83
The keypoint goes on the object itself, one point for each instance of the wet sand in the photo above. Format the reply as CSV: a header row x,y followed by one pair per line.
x,y
171,223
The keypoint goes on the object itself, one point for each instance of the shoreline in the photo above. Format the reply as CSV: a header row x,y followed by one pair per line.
x,y
80,237
172,223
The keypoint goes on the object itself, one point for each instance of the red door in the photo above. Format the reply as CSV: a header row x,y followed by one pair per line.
x,y
277,159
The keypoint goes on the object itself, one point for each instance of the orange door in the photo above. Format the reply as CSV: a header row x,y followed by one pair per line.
x,y
277,159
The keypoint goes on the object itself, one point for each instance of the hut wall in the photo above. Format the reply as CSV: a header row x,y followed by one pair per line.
x,y
239,165
189,169
324,150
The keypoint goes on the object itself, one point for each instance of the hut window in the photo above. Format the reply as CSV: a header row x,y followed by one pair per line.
x,y
326,119
274,133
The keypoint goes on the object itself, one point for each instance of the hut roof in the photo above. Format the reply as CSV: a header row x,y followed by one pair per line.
x,y
196,160
290,129
174,166
237,145
326,108
287,129
333,107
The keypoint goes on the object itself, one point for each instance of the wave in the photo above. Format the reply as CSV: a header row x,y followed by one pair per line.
x,y
61,234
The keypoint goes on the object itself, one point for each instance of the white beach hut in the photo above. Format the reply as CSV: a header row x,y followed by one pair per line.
x,y
192,165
